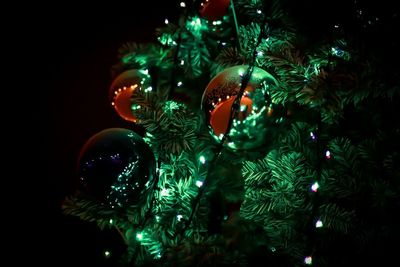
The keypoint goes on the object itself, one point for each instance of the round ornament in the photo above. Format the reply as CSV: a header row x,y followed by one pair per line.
x,y
116,167
121,90
214,9
250,127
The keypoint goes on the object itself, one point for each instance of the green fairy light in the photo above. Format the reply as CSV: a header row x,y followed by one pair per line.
x,y
158,255
107,254
139,236
166,39
195,26
135,107
164,192
199,183
172,106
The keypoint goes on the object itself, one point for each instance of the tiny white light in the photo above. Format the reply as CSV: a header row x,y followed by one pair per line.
x,y
199,183
315,187
139,236
308,260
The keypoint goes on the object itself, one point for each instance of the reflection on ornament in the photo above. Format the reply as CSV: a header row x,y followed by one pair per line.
x,y
214,9
116,167
255,114
220,115
121,91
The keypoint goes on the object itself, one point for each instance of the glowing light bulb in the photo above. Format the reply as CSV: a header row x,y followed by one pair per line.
x,y
308,260
202,159
139,236
107,254
319,224
328,154
199,183
315,187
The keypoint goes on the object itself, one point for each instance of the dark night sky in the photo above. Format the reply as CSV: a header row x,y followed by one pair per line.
x,y
79,47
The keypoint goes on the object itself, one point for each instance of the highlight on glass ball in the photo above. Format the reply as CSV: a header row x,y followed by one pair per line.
x,y
249,129
116,167
122,88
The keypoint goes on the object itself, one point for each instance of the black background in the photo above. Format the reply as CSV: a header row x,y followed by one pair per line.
x,y
77,49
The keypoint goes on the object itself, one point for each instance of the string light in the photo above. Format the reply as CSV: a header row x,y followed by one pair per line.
x,y
107,254
199,183
182,4
111,221
315,187
259,11
202,159
166,21
179,217
164,192
328,154
313,137
179,83
319,224
308,260
139,236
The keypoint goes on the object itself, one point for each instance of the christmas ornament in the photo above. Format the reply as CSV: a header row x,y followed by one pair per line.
x,y
116,167
255,115
121,91
214,9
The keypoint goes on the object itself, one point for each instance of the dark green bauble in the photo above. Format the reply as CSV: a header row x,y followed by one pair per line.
x,y
117,167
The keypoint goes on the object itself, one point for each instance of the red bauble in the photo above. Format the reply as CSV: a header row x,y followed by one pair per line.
x,y
248,130
220,115
121,91
214,9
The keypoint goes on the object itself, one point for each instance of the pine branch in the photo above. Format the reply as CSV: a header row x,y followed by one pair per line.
x,y
89,210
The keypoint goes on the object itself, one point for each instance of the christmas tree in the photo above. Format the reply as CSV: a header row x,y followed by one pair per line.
x,y
264,133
